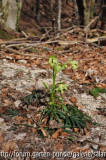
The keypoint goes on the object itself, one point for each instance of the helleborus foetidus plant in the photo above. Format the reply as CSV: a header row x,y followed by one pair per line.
x,y
56,90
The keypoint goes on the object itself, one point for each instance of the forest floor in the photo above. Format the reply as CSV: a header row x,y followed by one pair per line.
x,y
24,67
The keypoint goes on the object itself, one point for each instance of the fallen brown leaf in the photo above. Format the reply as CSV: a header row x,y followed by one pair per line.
x,y
85,149
73,100
18,56
80,107
101,85
76,130
30,121
1,71
77,149
86,132
7,102
20,119
33,130
64,134
9,146
1,137
56,134
4,94
102,148
37,117
2,110
58,147
4,90
23,111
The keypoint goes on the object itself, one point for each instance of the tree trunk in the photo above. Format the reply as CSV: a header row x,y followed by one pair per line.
x,y
85,10
103,19
92,8
59,18
10,13
86,4
80,11
51,6
38,10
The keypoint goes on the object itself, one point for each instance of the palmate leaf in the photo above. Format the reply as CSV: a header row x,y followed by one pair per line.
x,y
47,112
72,120
78,113
68,125
83,124
95,92
61,114
75,118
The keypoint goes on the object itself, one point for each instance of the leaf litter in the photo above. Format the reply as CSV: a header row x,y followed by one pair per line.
x,y
19,75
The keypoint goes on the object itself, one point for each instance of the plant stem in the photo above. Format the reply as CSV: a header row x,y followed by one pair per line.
x,y
53,92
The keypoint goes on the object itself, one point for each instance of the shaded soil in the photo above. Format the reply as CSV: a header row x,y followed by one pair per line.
x,y
30,24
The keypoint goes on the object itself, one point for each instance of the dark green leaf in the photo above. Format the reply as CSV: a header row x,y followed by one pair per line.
x,y
57,117
27,125
64,108
12,129
13,112
51,116
71,138
95,92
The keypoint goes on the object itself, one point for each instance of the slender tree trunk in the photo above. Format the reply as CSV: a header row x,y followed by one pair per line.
x,y
80,11
10,13
38,10
92,8
86,4
51,6
59,18
75,13
103,20
67,2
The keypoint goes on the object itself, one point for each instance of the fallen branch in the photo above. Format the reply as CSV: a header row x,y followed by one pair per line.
x,y
24,54
47,42
86,28
24,34
96,39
